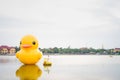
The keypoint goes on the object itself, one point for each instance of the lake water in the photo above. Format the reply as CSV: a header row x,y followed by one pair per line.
x,y
64,67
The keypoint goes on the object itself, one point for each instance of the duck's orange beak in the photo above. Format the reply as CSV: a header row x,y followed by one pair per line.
x,y
26,46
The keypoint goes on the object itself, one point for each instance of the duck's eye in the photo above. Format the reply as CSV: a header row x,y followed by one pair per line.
x,y
20,42
33,42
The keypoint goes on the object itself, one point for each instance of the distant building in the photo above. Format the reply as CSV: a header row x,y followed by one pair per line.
x,y
4,50
12,50
7,50
116,50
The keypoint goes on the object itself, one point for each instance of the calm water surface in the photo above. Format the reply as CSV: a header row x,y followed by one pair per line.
x,y
64,67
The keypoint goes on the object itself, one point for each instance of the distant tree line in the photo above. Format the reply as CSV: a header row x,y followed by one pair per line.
x,y
82,51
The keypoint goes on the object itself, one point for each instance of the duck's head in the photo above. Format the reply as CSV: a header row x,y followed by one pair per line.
x,y
29,42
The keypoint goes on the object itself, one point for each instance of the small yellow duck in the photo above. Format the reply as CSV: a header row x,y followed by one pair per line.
x,y
47,62
29,53
29,72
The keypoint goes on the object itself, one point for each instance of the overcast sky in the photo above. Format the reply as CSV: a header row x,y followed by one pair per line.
x,y
61,23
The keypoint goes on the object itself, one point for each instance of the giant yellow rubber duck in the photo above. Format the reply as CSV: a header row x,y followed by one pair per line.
x,y
29,72
29,53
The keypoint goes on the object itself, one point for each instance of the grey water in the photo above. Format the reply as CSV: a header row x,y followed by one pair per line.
x,y
64,67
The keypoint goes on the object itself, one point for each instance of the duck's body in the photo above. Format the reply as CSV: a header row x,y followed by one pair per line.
x,y
29,53
29,57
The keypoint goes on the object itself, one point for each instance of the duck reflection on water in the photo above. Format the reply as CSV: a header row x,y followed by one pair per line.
x,y
29,72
